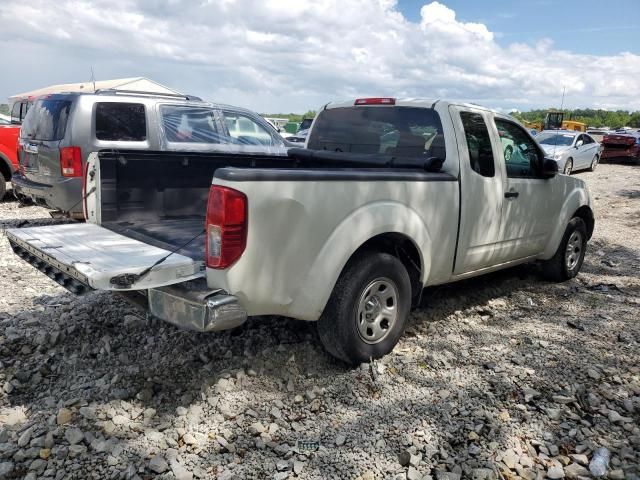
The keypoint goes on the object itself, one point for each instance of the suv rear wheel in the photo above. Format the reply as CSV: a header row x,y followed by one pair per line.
x,y
368,308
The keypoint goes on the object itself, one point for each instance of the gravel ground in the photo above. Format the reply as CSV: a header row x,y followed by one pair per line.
x,y
506,376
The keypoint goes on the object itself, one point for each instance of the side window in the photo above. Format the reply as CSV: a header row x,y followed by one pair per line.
x,y
245,131
587,139
478,143
521,155
15,112
188,124
121,122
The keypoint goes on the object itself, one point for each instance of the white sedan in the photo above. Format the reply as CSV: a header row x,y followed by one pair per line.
x,y
571,150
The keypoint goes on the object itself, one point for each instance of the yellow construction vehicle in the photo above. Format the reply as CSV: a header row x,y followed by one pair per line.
x,y
555,120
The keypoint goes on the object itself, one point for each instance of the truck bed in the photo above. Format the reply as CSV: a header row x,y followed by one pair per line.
x,y
160,198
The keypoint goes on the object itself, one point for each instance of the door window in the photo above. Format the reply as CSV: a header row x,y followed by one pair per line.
x,y
521,155
121,122
478,143
187,124
245,131
587,139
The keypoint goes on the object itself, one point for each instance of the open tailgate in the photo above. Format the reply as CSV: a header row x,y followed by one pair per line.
x,y
86,256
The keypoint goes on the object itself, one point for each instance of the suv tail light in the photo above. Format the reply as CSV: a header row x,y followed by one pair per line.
x,y
226,226
71,161
376,101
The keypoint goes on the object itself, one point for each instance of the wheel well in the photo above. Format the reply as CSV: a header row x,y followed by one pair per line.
x,y
404,249
5,170
586,214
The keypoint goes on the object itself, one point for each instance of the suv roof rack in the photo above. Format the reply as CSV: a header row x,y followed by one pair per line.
x,y
114,91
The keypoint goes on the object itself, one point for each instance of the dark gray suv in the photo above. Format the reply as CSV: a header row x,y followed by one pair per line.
x,y
61,130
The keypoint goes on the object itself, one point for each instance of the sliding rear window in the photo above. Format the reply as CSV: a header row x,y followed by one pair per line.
x,y
46,120
125,122
396,131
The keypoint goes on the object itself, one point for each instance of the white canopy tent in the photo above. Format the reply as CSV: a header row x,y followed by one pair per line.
x,y
138,84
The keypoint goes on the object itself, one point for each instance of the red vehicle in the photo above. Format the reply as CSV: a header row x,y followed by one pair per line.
x,y
624,147
8,155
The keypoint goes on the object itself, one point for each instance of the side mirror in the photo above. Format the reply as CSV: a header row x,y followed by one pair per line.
x,y
579,144
549,167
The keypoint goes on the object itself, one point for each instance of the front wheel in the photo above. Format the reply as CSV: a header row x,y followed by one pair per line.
x,y
568,259
368,308
594,163
568,167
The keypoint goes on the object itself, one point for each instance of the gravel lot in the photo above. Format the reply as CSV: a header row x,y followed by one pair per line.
x,y
505,376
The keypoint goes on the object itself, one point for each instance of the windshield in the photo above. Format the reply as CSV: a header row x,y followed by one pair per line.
x,y
559,139
46,120
398,131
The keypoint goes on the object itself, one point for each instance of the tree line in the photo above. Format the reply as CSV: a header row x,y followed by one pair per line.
x,y
593,118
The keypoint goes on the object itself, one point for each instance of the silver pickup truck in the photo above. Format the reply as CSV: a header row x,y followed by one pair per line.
x,y
390,196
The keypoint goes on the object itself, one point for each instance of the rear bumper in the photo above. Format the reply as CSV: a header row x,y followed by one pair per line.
x,y
193,306
63,195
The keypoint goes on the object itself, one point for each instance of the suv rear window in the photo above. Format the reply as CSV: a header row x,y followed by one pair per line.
x,y
186,124
397,131
46,120
121,122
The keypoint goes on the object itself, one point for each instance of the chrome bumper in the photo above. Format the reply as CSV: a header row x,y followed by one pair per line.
x,y
198,308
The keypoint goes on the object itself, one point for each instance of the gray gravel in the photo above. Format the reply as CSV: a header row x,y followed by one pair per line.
x,y
505,376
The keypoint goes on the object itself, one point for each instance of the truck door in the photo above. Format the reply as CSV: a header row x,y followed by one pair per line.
x,y
481,192
531,202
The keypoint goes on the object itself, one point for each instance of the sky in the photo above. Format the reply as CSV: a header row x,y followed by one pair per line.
x,y
282,56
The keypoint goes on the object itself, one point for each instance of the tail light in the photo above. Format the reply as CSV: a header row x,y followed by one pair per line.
x,y
71,161
376,101
226,226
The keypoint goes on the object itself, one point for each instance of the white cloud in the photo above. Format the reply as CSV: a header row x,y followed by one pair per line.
x,y
284,55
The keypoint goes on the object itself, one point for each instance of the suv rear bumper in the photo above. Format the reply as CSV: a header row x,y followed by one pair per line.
x,y
196,308
62,195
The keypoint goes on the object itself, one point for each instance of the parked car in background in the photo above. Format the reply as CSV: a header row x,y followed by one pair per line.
x,y
572,150
8,155
622,147
298,138
305,124
61,130
391,196
598,134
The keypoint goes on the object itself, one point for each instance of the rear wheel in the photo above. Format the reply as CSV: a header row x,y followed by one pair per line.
x,y
594,163
3,187
568,167
568,259
368,308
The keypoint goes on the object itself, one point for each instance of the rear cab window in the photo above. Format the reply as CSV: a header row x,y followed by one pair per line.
x,y
120,121
478,143
46,120
386,130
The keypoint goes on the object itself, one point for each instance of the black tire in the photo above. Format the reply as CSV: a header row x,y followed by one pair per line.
x,y
3,187
594,163
343,319
568,167
559,268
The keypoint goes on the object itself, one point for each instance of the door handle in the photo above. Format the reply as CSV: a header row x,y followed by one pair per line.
x,y
511,194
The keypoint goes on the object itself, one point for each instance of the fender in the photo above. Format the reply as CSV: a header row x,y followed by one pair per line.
x,y
363,224
579,197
